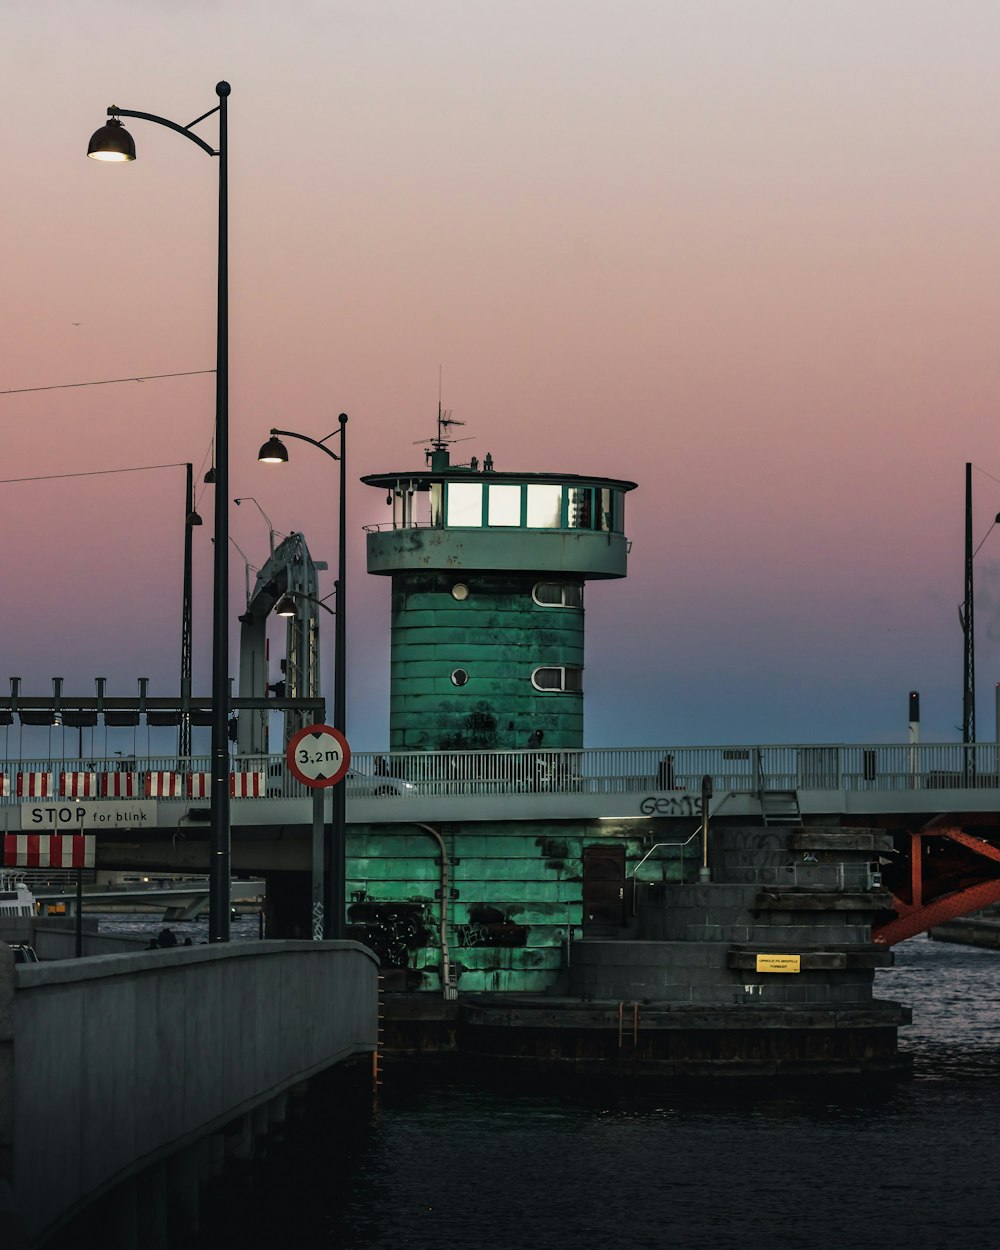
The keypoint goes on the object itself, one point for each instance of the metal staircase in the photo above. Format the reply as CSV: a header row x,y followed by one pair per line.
x,y
780,807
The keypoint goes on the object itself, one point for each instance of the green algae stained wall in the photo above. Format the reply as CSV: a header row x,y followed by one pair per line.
x,y
498,635
516,893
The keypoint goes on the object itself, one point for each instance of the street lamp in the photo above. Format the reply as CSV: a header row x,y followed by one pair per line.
x,y
966,616
287,607
270,526
335,886
191,519
112,142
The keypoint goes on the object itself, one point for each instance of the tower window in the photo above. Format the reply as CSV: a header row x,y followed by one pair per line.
x,y
465,504
558,594
460,591
558,679
504,505
544,506
459,677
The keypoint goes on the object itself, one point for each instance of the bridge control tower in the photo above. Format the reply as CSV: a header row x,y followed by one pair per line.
x,y
488,570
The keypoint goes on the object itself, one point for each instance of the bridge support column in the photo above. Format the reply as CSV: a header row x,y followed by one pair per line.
x,y
278,1113
150,1191
288,908
213,1150
184,1194
239,1139
260,1123
123,1216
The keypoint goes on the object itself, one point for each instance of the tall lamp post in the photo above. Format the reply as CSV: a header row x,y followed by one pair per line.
x,y
114,143
191,519
274,451
966,615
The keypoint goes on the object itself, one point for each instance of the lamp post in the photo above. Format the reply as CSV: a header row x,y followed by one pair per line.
x,y
335,886
191,519
966,615
270,527
114,143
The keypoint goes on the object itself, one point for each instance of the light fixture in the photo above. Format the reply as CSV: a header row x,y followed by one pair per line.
x,y
285,606
334,876
209,478
193,518
274,451
111,143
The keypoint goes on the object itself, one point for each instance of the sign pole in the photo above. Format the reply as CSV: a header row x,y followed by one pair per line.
x,y
318,865
319,757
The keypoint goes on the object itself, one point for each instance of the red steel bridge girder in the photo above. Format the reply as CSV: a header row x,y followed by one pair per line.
x,y
919,917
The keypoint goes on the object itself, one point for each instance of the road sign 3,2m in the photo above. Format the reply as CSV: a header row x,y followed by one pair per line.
x,y
318,755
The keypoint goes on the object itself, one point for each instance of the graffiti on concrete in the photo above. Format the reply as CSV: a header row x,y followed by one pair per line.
x,y
488,926
392,930
676,805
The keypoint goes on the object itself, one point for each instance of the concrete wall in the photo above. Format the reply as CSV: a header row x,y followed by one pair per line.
x,y
110,1064
56,939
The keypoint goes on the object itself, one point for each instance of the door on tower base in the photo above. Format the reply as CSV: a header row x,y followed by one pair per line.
x,y
603,887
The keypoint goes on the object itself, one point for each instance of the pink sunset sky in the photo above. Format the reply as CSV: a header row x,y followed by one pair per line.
x,y
744,252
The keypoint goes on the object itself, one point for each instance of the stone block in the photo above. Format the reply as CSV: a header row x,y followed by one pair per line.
x,y
867,841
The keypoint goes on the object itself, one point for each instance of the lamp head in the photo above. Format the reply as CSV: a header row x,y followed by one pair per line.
x,y
285,606
111,143
194,519
209,478
274,451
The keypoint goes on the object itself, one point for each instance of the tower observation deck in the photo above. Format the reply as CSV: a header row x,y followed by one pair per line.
x,y
488,571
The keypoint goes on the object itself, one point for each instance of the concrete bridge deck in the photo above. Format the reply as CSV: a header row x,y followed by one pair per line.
x,y
111,1066
856,781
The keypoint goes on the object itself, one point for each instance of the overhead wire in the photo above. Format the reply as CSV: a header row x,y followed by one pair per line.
x,y
65,386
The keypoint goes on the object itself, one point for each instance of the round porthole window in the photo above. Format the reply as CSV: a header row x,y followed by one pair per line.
x,y
459,677
460,591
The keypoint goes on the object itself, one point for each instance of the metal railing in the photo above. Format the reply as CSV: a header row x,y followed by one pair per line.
x,y
596,771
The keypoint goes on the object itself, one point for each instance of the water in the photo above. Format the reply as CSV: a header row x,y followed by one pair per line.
x,y
243,927
461,1161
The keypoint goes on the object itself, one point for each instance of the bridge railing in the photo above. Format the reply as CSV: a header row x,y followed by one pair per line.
x,y
594,770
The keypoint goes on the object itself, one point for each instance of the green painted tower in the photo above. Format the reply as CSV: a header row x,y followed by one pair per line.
x,y
488,571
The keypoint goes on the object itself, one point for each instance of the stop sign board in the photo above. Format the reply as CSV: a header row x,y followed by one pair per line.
x,y
319,756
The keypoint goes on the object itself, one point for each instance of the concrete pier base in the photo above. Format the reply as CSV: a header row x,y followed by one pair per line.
x,y
765,969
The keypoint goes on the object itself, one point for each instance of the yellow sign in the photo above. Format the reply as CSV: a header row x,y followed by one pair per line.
x,y
779,963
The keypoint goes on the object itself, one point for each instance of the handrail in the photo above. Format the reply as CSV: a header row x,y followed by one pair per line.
x,y
698,828
606,771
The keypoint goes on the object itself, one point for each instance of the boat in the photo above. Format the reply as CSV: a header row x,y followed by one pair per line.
x,y
16,900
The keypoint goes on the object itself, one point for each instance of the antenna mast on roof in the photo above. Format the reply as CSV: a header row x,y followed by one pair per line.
x,y
444,423
443,439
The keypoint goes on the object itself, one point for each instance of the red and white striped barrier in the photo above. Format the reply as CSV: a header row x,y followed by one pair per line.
x,y
35,786
119,785
48,850
198,785
163,785
77,785
251,785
